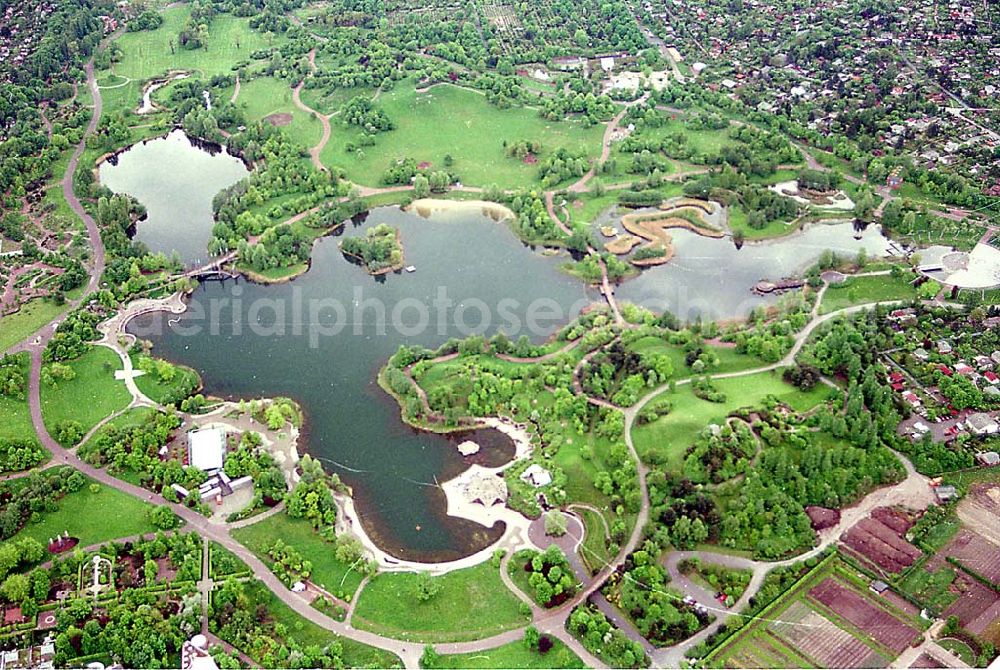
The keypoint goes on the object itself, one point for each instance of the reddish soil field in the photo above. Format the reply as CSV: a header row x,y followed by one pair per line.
x,y
823,641
881,544
876,622
926,661
976,553
822,517
895,519
977,605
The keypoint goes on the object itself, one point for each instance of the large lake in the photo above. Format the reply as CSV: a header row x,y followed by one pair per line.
x,y
322,338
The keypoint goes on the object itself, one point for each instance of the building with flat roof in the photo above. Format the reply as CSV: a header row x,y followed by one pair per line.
x,y
207,449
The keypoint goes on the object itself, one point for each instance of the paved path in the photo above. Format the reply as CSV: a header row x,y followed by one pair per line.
x,y
315,151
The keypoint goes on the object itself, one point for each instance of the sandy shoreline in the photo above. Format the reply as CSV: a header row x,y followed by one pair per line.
x,y
426,207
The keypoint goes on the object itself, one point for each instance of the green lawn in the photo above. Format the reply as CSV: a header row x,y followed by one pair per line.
x,y
32,316
150,54
265,96
513,655
861,290
89,397
729,359
472,603
333,575
668,437
185,381
15,417
93,517
594,550
738,224
451,120
305,632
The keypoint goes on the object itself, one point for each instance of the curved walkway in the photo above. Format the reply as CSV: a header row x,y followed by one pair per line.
x,y
315,151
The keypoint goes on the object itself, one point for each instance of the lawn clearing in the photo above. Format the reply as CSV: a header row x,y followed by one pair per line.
x,y
668,437
448,120
15,416
862,290
473,603
331,574
21,324
512,655
264,96
185,382
92,517
90,396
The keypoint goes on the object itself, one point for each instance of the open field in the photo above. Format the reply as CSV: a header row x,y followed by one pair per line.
x,y
513,655
90,396
149,54
668,437
329,573
264,96
452,120
32,316
861,290
15,417
92,517
472,603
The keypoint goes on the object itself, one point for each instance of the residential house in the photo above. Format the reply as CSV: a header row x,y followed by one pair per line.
x,y
982,424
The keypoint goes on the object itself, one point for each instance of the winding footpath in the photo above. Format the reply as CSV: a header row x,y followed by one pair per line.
x,y
316,150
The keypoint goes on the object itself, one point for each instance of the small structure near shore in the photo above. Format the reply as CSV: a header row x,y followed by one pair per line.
x,y
468,448
765,287
482,487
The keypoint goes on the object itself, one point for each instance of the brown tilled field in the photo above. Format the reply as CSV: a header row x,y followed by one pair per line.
x,y
882,544
976,553
981,510
875,621
977,604
823,641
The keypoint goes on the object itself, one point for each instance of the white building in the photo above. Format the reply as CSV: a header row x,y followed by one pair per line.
x,y
536,475
207,449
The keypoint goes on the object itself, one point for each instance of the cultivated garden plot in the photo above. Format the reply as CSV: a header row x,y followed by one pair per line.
x,y
858,610
823,641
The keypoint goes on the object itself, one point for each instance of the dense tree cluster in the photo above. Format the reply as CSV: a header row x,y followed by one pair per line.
x,y
379,249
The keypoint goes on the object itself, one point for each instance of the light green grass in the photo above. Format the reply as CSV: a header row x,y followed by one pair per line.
x,y
451,120
513,655
331,574
594,550
861,290
147,54
93,517
89,397
15,416
668,437
21,324
729,359
738,224
265,96
473,603
173,391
